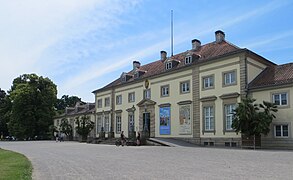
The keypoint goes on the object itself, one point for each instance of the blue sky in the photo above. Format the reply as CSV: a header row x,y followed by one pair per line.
x,y
83,45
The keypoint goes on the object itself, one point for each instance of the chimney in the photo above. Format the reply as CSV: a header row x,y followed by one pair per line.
x,y
163,55
136,65
220,36
195,44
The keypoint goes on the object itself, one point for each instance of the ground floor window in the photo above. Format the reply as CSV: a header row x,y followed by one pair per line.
x,y
107,119
99,123
165,120
209,118
281,130
118,123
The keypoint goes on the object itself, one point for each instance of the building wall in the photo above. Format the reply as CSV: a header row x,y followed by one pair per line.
x,y
216,70
253,68
283,117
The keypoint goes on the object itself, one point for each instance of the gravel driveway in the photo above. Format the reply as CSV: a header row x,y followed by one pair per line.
x,y
72,160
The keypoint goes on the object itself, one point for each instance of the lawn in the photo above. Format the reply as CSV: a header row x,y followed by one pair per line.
x,y
14,166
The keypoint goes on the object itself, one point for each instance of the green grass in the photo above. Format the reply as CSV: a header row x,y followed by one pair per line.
x,y
14,166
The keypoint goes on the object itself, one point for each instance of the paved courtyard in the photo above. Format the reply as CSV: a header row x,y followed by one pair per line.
x,y
72,160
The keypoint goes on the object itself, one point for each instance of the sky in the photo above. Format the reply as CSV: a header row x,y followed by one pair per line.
x,y
82,45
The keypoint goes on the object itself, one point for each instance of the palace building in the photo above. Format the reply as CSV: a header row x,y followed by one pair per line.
x,y
191,95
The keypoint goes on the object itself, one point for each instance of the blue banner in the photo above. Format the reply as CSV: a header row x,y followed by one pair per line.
x,y
165,127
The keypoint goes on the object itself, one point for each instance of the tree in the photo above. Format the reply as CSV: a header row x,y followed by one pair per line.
x,y
84,126
32,111
5,108
253,119
66,101
66,128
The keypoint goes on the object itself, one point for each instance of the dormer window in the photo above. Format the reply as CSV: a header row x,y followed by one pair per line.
x,y
188,60
125,77
136,75
168,65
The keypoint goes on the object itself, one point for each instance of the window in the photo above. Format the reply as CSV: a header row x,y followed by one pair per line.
x,y
230,78
107,102
188,60
168,65
107,127
118,123
131,122
119,99
281,131
280,99
131,97
209,118
208,82
100,103
184,87
147,94
229,116
99,123
165,91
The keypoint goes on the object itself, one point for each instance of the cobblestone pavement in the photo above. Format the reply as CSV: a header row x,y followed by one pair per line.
x,y
72,160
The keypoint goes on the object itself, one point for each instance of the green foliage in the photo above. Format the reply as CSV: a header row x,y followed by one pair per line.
x,y
5,108
14,166
253,119
32,110
84,126
66,128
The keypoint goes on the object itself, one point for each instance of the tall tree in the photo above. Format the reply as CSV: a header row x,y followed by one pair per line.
x,y
84,126
5,109
33,100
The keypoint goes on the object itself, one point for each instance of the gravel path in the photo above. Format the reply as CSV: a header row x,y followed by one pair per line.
x,y
72,160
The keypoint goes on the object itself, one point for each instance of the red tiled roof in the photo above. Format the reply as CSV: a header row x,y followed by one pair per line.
x,y
273,76
205,52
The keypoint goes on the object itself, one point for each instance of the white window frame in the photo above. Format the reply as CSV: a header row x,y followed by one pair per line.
x,y
131,97
99,123
188,59
185,87
208,82
100,103
228,109
107,122
107,101
168,65
119,99
209,118
230,78
147,94
280,100
165,91
282,131
118,123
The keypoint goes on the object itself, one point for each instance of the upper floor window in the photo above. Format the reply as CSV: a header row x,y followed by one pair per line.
x,y
208,82
230,78
209,121
100,103
119,99
229,115
107,102
184,87
168,65
147,94
131,97
188,60
165,91
280,99
281,131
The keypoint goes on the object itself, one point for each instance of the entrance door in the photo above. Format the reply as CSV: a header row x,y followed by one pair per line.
x,y
146,124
